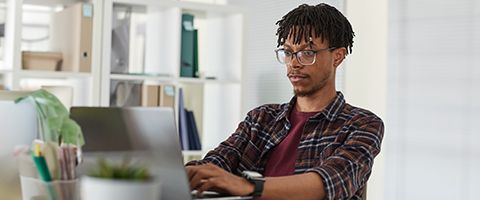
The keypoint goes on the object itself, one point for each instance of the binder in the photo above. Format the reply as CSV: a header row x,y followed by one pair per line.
x,y
194,138
182,122
149,95
119,58
195,53
187,47
125,93
71,34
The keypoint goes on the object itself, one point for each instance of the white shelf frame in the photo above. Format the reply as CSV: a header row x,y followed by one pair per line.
x,y
186,5
194,153
51,74
167,79
5,71
13,38
49,2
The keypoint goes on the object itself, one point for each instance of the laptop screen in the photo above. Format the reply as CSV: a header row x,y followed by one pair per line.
x,y
104,129
116,132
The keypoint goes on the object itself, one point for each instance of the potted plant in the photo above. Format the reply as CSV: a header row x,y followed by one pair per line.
x,y
54,121
120,181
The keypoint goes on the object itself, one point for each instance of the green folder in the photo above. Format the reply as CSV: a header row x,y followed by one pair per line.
x,y
195,53
187,47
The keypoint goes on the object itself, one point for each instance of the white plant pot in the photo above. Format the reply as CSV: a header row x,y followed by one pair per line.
x,y
101,189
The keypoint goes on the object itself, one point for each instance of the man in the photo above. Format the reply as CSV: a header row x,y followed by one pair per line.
x,y
314,147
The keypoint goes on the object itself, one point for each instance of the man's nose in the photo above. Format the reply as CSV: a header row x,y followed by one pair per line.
x,y
294,63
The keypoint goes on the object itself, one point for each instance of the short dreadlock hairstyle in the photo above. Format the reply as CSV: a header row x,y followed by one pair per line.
x,y
322,20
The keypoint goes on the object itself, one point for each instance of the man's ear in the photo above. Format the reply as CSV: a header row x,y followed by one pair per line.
x,y
338,56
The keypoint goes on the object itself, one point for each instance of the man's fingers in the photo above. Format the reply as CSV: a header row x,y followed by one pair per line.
x,y
198,176
196,181
191,170
203,172
206,185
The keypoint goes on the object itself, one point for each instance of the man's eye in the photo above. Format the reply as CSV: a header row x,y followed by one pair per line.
x,y
308,53
287,53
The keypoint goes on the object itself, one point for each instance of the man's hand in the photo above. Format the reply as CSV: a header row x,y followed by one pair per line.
x,y
213,178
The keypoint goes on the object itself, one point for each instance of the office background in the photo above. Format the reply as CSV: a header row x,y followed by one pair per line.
x,y
415,63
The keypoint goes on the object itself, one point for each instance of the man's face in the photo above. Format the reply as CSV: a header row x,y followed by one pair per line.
x,y
307,80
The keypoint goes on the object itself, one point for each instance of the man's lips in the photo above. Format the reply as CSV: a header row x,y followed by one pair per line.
x,y
297,77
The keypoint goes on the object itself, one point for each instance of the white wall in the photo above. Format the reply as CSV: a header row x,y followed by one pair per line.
x,y
366,72
433,100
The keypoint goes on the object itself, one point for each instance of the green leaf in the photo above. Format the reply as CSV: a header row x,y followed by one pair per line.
x,y
123,171
55,124
72,133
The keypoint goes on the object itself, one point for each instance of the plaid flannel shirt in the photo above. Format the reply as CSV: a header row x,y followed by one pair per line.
x,y
338,143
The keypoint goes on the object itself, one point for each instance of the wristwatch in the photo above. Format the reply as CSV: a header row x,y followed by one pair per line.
x,y
257,179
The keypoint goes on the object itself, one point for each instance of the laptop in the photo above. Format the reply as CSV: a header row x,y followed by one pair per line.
x,y
18,124
144,133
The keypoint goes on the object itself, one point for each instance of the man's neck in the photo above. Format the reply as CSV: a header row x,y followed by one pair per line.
x,y
316,102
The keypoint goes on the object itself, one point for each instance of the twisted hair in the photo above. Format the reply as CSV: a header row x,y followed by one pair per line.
x,y
322,20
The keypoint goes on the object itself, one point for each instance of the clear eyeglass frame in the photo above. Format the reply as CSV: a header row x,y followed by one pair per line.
x,y
304,57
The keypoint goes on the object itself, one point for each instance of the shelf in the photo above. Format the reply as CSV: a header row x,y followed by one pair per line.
x,y
146,77
49,2
5,71
52,74
206,81
227,9
166,78
193,153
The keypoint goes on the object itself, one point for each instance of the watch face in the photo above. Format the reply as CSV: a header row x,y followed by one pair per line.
x,y
252,174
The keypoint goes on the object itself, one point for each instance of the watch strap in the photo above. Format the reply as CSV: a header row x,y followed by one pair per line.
x,y
258,189
257,180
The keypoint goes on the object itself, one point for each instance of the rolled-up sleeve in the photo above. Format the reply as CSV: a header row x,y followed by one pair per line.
x,y
348,168
228,154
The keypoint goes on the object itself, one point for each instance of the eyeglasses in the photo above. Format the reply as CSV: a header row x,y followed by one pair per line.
x,y
304,57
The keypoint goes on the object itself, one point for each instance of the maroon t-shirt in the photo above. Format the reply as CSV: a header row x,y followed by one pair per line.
x,y
283,156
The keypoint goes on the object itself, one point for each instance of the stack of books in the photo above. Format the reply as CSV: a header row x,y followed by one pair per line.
x,y
189,137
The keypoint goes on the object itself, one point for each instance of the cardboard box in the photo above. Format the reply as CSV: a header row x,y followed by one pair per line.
x,y
158,95
50,61
166,95
149,95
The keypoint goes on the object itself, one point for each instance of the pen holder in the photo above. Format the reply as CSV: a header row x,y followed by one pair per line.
x,y
36,189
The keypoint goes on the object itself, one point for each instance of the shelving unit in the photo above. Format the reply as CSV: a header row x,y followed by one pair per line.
x,y
215,100
85,85
216,103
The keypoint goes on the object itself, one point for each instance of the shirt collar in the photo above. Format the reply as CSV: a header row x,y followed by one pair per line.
x,y
331,112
